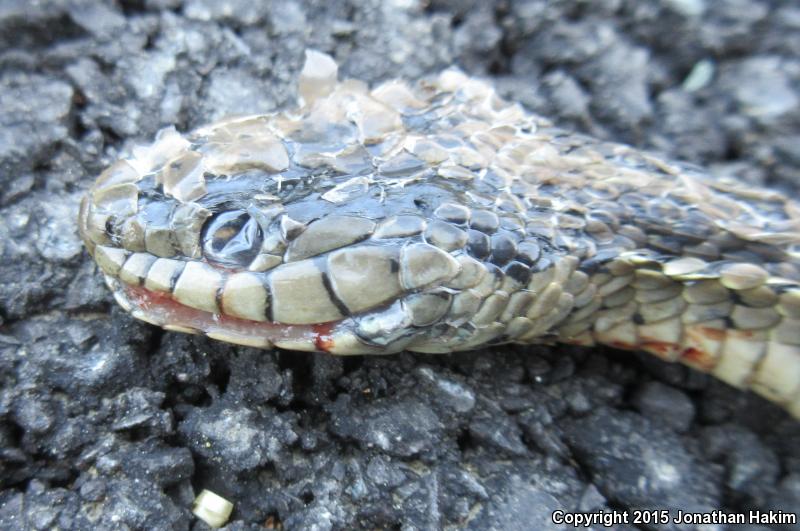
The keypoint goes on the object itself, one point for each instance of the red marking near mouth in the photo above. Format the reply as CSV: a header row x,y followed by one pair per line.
x,y
324,337
163,309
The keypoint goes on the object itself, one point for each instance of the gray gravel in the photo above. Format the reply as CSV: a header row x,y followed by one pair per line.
x,y
108,423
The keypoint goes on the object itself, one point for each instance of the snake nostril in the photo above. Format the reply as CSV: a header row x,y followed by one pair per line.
x,y
231,238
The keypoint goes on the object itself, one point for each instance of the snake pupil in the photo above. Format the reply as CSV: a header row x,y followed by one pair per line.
x,y
231,238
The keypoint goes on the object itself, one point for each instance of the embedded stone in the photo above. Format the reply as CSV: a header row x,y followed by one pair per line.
x,y
422,264
212,509
245,296
325,234
365,276
197,287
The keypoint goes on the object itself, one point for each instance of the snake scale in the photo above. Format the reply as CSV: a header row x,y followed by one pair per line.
x,y
437,217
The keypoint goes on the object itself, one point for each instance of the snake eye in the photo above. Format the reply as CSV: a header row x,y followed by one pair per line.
x,y
231,238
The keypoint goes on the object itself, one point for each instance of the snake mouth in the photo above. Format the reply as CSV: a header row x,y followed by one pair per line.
x,y
161,309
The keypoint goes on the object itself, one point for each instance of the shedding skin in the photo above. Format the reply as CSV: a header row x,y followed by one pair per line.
x,y
436,217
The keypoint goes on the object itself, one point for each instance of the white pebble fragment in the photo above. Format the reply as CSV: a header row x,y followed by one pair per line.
x,y
212,508
318,77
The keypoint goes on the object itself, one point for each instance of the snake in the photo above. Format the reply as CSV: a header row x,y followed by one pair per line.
x,y
434,216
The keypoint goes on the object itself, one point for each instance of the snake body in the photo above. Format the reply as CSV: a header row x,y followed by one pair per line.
x,y
437,217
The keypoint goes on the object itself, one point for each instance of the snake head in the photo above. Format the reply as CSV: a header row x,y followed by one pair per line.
x,y
340,225
306,260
